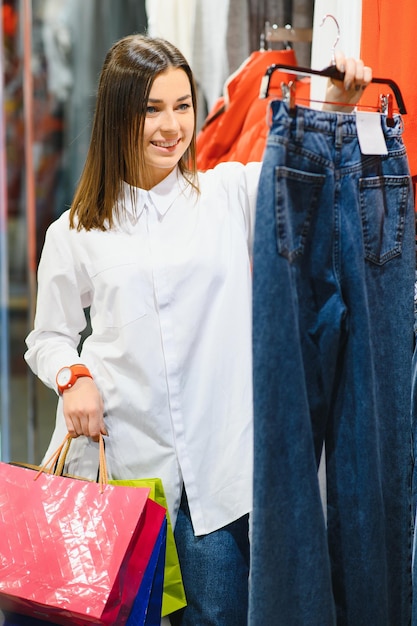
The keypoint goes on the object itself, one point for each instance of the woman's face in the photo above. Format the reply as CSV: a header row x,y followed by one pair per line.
x,y
169,123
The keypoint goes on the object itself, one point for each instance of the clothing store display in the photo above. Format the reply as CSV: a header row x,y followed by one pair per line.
x,y
333,275
190,418
253,338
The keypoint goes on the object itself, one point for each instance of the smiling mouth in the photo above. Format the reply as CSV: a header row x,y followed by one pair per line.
x,y
166,144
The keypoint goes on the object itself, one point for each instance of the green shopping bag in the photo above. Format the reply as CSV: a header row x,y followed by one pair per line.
x,y
173,597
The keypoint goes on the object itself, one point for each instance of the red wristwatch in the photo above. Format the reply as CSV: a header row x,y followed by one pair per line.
x,y
67,376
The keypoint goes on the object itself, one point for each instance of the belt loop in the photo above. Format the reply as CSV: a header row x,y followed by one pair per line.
x,y
269,115
299,126
339,131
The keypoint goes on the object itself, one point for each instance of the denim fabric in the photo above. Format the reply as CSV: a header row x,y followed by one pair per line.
x,y
332,344
215,569
414,484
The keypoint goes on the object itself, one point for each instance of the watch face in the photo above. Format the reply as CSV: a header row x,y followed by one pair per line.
x,y
64,376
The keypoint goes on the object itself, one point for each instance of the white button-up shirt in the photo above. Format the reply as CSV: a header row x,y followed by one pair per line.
x,y
169,291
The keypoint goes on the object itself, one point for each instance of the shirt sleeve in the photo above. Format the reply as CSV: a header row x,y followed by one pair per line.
x,y
252,172
242,183
61,300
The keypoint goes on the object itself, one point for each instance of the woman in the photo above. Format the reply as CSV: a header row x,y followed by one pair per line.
x,y
161,257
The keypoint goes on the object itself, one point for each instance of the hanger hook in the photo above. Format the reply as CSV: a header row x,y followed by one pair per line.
x,y
333,62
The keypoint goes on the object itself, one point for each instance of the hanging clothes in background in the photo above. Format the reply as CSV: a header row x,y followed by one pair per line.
x,y
237,126
333,274
75,21
220,44
213,36
173,20
388,46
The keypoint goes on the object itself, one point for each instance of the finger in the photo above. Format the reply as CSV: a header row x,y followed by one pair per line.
x,y
73,426
354,73
86,424
340,60
95,427
367,75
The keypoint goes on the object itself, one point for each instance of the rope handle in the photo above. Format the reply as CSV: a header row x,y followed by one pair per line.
x,y
55,464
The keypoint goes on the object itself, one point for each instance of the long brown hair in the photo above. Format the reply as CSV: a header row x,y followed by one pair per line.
x,y
115,153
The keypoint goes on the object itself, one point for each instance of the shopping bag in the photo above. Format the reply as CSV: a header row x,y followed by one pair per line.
x,y
146,610
73,552
173,597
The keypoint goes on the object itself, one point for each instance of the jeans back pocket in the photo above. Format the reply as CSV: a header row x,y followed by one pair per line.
x,y
296,198
383,205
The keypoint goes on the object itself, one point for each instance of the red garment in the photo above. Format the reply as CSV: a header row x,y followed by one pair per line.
x,y
388,46
239,125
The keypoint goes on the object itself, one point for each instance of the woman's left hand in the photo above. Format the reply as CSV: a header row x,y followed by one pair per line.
x,y
348,91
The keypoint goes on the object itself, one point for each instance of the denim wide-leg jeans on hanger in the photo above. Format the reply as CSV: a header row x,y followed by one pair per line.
x,y
332,344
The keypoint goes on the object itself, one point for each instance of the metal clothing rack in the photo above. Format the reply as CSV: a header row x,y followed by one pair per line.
x,y
284,34
30,199
4,279
25,7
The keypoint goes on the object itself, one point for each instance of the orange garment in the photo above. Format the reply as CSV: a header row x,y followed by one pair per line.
x,y
237,126
388,46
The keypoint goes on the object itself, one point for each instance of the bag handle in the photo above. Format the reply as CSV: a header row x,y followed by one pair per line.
x,y
55,464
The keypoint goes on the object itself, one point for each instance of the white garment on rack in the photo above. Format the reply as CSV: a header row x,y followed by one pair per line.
x,y
58,43
173,20
210,62
199,30
349,18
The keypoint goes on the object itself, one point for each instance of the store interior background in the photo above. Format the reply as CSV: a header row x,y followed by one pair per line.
x,y
68,41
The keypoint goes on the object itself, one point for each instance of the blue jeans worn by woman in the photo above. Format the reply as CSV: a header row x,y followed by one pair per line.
x,y
333,340
215,570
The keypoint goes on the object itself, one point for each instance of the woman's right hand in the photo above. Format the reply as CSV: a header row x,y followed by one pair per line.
x,y
83,409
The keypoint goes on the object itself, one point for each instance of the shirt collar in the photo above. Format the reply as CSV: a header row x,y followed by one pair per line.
x,y
161,197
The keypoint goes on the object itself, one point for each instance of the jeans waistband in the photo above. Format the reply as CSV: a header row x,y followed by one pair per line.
x,y
326,122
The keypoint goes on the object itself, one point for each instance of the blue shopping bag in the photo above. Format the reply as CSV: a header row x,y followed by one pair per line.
x,y
147,607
